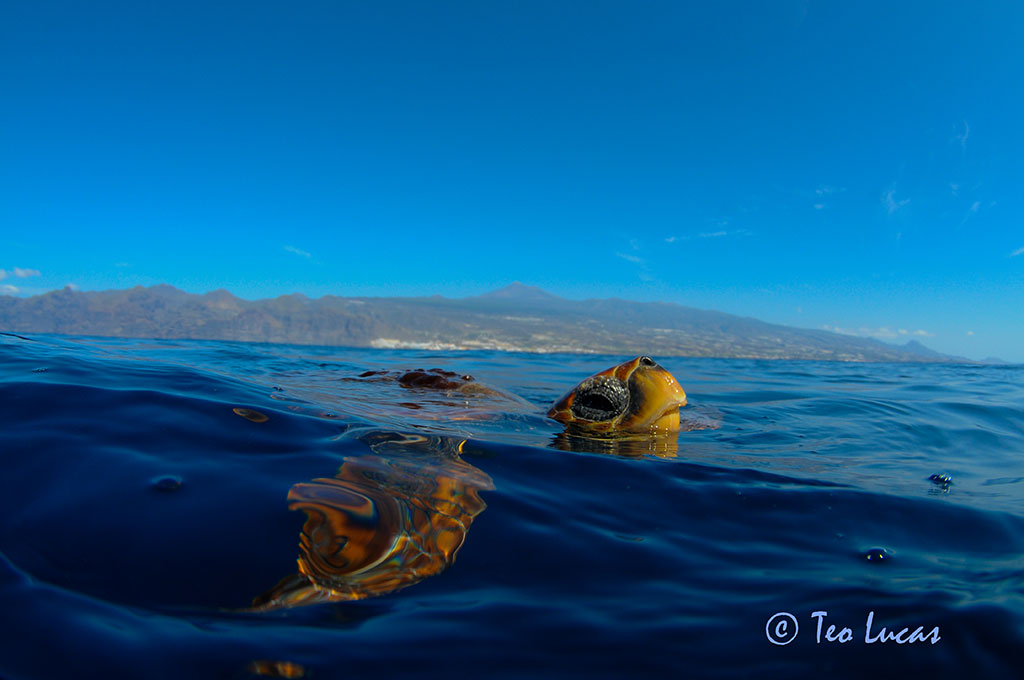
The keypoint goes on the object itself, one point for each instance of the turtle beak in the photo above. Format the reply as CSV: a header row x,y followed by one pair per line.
x,y
561,411
658,398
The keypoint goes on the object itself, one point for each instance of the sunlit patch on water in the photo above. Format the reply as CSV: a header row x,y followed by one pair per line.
x,y
152,490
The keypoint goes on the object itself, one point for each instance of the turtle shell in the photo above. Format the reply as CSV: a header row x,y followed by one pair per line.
x,y
636,397
387,520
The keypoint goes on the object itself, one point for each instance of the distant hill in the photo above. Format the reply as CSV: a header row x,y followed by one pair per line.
x,y
917,348
515,318
520,292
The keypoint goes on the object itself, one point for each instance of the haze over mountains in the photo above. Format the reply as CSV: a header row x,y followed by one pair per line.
x,y
514,318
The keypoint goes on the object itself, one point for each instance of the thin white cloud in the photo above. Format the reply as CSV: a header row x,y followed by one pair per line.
x,y
9,290
676,239
883,333
828,190
721,233
823,195
644,271
961,137
970,333
1019,251
635,259
971,212
301,253
890,202
18,272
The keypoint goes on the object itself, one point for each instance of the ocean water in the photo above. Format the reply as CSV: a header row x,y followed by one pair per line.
x,y
145,493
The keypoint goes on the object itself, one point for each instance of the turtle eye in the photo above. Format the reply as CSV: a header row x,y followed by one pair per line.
x,y
599,401
647,361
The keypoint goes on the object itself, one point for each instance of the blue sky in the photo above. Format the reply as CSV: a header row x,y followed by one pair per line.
x,y
855,166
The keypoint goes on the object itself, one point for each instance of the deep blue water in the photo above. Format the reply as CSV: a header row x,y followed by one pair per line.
x,y
142,516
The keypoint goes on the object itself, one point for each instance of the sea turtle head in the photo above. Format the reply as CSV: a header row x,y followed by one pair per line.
x,y
637,396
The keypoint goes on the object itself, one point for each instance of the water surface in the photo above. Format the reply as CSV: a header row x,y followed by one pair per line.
x,y
142,515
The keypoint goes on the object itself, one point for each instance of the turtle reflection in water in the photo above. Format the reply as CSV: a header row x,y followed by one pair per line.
x,y
387,520
398,515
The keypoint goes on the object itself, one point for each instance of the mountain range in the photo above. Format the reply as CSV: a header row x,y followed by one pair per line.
x,y
514,318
